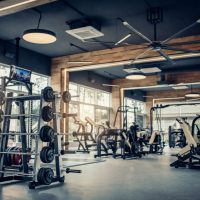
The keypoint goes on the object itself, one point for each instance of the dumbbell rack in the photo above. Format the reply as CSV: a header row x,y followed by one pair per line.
x,y
26,172
59,177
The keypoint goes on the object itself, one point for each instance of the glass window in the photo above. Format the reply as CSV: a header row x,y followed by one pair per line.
x,y
101,116
73,89
91,103
87,95
39,81
103,99
86,111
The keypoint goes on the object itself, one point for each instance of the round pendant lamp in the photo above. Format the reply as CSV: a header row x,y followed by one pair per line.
x,y
192,94
136,76
39,36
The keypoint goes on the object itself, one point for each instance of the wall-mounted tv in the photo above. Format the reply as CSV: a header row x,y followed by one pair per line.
x,y
20,74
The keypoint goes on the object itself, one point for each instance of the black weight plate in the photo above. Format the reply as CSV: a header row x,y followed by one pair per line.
x,y
1,117
66,97
47,134
47,113
48,176
48,94
2,98
40,176
47,155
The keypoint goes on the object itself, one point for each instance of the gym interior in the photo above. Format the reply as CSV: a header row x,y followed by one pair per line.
x,y
99,99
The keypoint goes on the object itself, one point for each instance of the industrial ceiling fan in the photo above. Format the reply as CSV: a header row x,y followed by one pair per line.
x,y
155,16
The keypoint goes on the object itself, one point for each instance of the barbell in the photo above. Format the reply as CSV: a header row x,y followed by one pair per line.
x,y
48,95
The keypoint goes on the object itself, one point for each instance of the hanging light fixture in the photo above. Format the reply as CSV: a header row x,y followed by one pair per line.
x,y
136,76
192,94
39,36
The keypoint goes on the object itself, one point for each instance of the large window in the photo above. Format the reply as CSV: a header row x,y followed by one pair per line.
x,y
92,103
138,109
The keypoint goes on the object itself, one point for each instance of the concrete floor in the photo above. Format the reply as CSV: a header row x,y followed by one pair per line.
x,y
147,178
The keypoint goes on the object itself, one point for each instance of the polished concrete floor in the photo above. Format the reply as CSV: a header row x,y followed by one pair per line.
x,y
147,178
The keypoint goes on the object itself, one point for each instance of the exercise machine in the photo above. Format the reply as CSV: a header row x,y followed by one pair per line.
x,y
189,156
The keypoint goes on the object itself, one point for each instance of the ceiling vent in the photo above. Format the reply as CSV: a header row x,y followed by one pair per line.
x,y
84,29
150,70
130,69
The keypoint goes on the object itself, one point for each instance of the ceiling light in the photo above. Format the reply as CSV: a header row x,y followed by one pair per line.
x,y
136,76
180,87
192,95
39,36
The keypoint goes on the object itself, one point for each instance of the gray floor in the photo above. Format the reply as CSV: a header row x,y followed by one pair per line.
x,y
148,178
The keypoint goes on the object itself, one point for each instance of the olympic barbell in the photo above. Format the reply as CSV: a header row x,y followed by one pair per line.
x,y
48,95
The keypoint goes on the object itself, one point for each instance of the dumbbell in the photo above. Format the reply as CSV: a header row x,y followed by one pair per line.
x,y
47,114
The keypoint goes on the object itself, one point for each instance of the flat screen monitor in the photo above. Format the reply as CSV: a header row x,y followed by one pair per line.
x,y
20,74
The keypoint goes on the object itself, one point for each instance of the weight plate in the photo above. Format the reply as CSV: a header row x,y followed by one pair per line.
x,y
47,113
48,94
47,154
1,117
66,97
48,176
45,176
2,98
18,157
40,176
47,134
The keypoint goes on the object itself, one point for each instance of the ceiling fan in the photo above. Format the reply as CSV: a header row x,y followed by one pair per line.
x,y
155,16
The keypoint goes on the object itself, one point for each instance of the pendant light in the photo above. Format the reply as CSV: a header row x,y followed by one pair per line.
x,y
136,76
192,94
39,36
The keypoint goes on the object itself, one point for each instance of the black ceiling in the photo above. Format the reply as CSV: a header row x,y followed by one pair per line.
x,y
177,15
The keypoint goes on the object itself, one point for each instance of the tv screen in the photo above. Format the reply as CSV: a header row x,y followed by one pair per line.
x,y
20,74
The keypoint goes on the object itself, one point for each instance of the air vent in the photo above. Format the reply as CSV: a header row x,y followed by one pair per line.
x,y
84,33
130,69
150,70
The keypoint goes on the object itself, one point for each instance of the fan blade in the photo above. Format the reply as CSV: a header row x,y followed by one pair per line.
x,y
99,42
180,49
140,55
126,24
180,32
123,39
165,56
